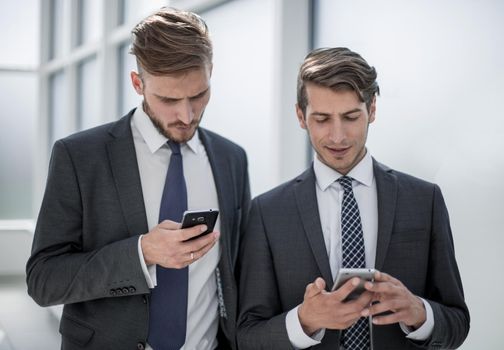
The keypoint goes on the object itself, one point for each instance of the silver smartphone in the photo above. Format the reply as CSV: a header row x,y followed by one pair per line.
x,y
199,217
345,274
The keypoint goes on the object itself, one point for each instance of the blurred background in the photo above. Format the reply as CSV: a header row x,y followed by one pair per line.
x,y
64,66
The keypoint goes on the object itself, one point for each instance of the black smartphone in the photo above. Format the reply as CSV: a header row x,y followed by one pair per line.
x,y
200,217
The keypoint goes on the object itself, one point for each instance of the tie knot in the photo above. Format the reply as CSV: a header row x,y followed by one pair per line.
x,y
174,146
346,183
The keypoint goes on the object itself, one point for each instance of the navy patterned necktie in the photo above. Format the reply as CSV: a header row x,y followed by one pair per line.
x,y
168,303
354,256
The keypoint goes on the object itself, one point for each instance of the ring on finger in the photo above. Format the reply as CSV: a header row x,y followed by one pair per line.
x,y
192,255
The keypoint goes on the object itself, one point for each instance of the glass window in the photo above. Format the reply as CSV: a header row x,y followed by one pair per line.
x,y
57,107
127,97
88,105
130,12
198,5
17,144
20,27
56,29
125,12
89,14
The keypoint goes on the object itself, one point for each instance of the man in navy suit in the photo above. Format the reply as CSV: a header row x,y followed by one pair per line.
x,y
100,242
348,210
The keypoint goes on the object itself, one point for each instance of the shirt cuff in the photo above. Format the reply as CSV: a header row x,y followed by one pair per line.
x,y
297,336
425,330
148,271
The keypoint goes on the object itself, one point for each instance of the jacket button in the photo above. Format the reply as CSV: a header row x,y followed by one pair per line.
x,y
112,292
132,289
140,346
125,290
119,291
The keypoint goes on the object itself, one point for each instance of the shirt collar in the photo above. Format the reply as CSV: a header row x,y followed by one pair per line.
x,y
153,138
326,176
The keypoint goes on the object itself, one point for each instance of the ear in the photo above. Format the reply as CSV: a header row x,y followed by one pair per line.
x,y
301,117
372,110
136,81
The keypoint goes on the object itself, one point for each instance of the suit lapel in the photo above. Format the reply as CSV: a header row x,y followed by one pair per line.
x,y
124,165
225,192
386,186
306,200
224,184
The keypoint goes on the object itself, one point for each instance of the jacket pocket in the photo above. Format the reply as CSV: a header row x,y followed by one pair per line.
x,y
75,331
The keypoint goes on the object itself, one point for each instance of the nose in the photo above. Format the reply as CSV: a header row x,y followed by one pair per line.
x,y
337,132
186,111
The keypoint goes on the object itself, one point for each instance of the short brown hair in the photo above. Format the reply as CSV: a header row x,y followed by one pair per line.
x,y
337,68
171,41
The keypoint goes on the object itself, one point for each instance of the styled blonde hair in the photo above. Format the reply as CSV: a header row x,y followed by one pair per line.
x,y
337,68
171,41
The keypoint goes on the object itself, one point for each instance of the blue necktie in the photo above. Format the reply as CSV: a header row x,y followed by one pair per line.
x,y
354,256
168,303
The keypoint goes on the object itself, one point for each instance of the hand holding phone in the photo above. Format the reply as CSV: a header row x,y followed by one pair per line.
x,y
346,274
200,217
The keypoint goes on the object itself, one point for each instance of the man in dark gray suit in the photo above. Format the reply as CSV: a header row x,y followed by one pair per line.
x,y
348,210
99,247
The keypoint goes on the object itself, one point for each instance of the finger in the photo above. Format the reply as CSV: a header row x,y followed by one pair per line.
x,y
190,232
379,308
386,288
389,319
364,300
347,288
199,243
384,277
352,309
314,289
196,255
169,225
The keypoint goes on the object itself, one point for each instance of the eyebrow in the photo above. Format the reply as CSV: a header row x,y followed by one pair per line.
x,y
351,111
173,99
322,114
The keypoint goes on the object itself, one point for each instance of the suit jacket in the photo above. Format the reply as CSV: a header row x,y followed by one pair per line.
x,y
85,253
283,250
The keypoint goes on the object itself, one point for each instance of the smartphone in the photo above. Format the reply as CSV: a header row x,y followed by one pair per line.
x,y
200,217
345,274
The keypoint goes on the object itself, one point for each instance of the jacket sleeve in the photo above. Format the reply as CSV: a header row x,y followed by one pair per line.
x,y
59,270
261,322
444,286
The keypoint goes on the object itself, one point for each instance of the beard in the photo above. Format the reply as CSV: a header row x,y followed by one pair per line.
x,y
165,129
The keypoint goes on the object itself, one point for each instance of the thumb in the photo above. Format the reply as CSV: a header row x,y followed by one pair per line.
x,y
315,288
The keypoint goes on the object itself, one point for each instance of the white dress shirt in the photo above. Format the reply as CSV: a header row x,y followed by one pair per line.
x,y
329,200
153,157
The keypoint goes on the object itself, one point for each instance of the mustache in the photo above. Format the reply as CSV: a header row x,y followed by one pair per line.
x,y
177,124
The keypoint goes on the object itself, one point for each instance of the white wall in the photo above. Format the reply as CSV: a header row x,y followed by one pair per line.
x,y
249,104
19,24
439,117
15,246
18,100
242,83
17,142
